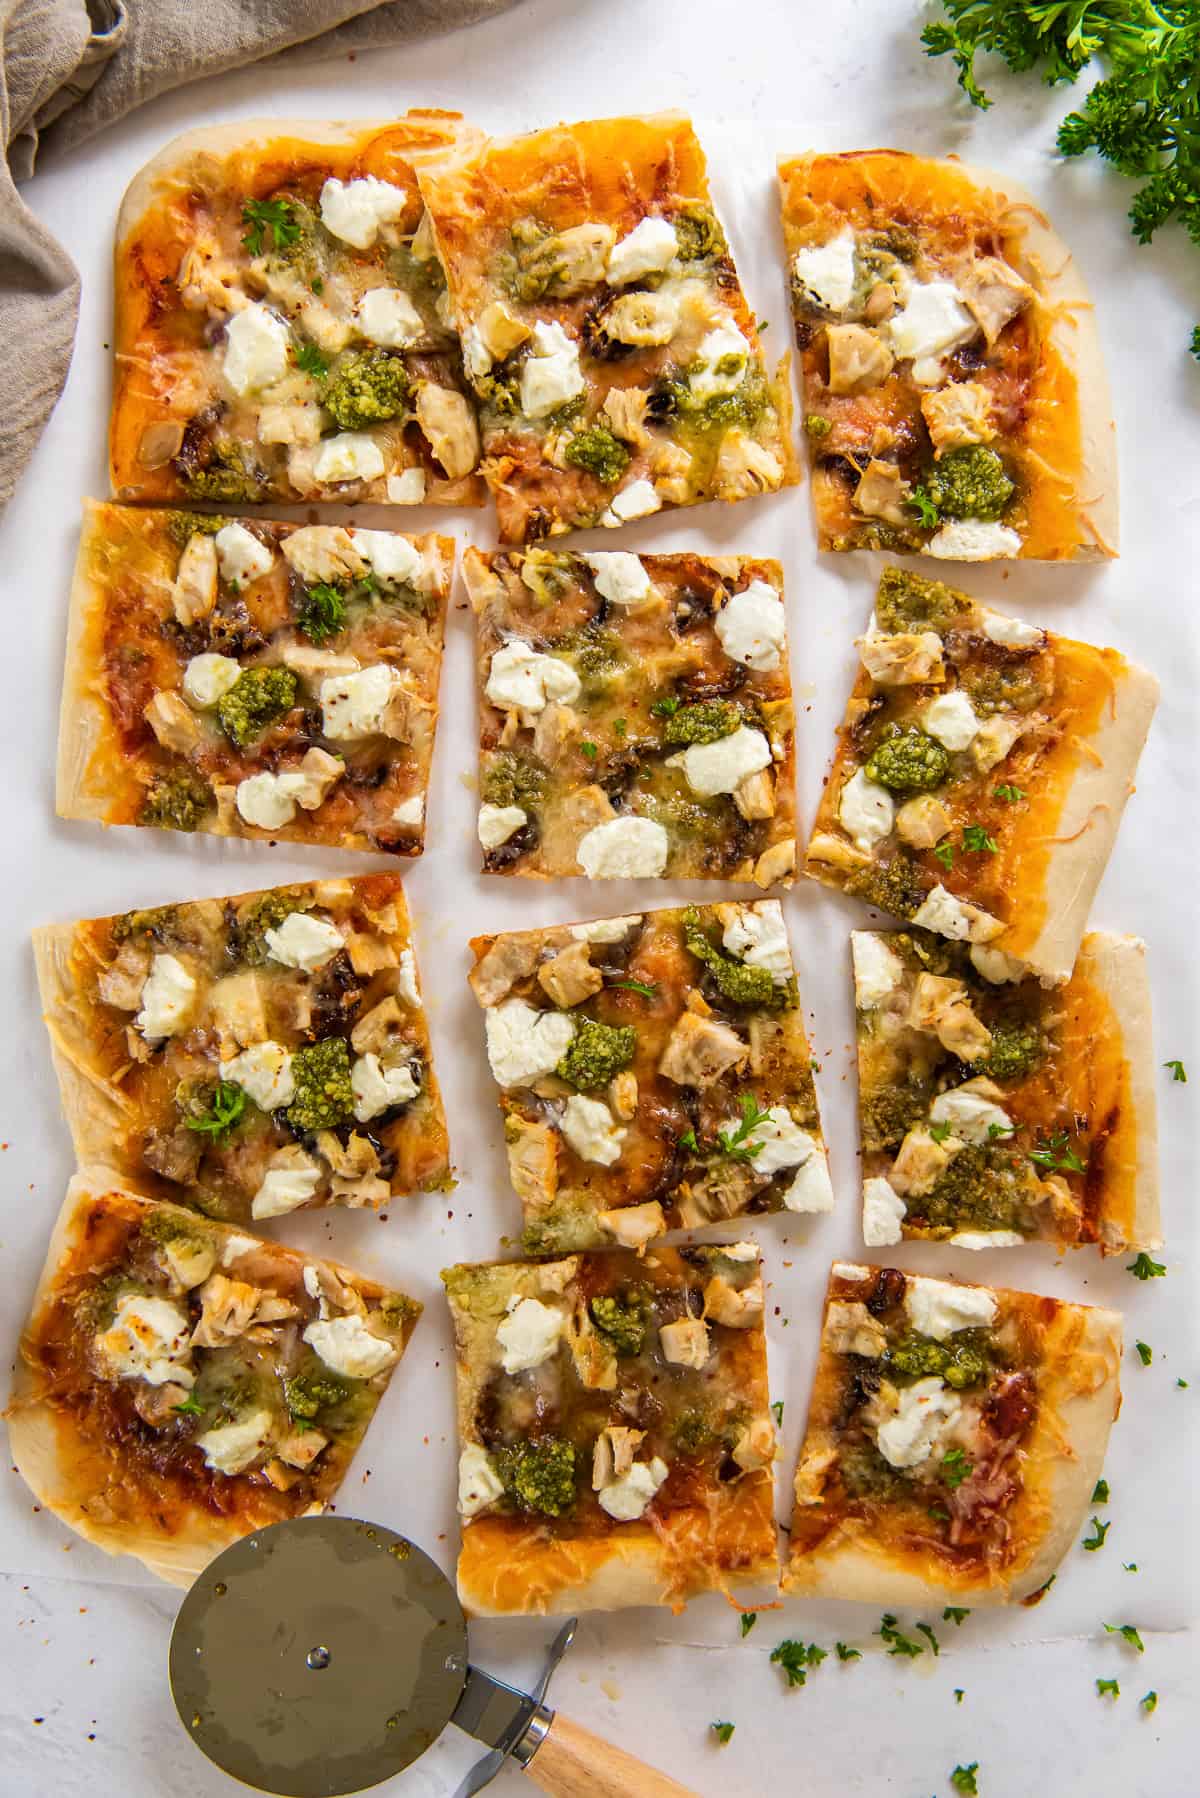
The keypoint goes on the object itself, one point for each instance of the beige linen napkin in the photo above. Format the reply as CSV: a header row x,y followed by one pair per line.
x,y
68,69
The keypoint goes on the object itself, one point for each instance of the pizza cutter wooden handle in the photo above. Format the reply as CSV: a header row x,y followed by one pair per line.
x,y
573,1763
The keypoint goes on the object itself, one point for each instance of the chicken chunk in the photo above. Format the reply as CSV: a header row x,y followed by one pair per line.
x,y
449,425
685,1342
378,1029
239,1008
941,1006
921,1162
323,552
569,978
228,1308
923,821
510,958
737,1307
633,1226
993,293
700,1050
754,795
958,414
594,1355
851,1330
194,593
881,493
755,1445
174,723
532,1161
613,1454
122,981
625,409
555,731
858,358
907,659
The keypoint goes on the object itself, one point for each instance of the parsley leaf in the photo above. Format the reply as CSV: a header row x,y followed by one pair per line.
x,y
274,217
1145,1353
1129,1633
322,612
688,1141
897,1643
747,1620
1145,1269
589,749
954,1613
795,1658
1149,1702
944,853
664,708
926,1630
978,841
963,1779
847,1654
1178,1071
1097,1541
959,1694
777,1411
1108,1688
1057,1153
955,1468
1182,1383
924,507
310,361
190,1407
939,1132
1100,1492
226,1106
1008,793
737,1144
1130,1566
722,1731
647,988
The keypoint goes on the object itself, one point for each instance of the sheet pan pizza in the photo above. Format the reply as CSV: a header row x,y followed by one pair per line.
x,y
654,1073
955,397
251,678
282,331
181,1384
955,1434
616,363
981,770
253,1056
994,1110
615,1436
635,716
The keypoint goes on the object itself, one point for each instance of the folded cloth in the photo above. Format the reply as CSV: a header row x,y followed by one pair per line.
x,y
69,68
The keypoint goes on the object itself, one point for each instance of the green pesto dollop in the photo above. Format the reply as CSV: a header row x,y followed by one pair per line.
x,y
513,779
177,799
908,601
257,698
1016,1050
598,452
324,1097
308,1394
539,1475
894,886
623,1320
969,483
887,1113
252,920
228,475
909,762
962,1361
816,428
706,722
698,234
736,980
157,922
365,387
597,1053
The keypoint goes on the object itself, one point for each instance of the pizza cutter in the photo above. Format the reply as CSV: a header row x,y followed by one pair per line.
x,y
323,1655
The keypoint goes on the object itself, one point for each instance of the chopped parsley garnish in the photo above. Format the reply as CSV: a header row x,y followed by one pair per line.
x,y
620,727
1058,1153
322,612
944,853
1128,1634
722,1731
924,507
589,749
1182,1383
959,1694
963,1779
1149,1702
777,1413
996,1131
747,1621
310,361
939,1132
954,1613
1097,1541
897,1643
664,708
1144,1352
276,217
226,1106
1145,1269
738,1144
926,1630
955,1468
845,1653
1130,1566
689,1141
1108,1688
796,1658
1009,794
1100,1492
190,1407
978,841
1178,1071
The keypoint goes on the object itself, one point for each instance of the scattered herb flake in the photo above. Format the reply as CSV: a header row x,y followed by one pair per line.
x,y
978,841
897,1642
1128,1633
954,1613
1058,1153
1145,1353
1009,794
963,1779
1097,1541
1100,1493
1178,1071
647,988
959,1694
795,1658
845,1653
1145,1269
311,362
955,1468
1108,1688
1149,1702
722,1731
747,1620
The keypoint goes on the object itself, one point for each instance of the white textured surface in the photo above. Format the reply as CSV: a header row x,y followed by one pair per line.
x,y
85,1639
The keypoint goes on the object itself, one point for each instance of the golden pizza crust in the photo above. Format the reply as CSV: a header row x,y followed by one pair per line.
x,y
1078,1398
68,1474
1116,967
418,139
97,1112
1073,446
1084,826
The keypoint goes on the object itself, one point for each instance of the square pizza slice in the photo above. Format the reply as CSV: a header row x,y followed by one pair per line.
x,y
654,1073
282,329
995,1110
251,678
249,1056
635,716
181,1385
980,773
615,360
615,1433
955,399
955,1434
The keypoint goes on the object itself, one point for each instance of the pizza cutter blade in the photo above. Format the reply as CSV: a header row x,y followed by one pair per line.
x,y
323,1655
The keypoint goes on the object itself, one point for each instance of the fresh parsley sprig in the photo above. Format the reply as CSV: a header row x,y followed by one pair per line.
x,y
1143,1268
722,1731
1058,1153
795,1659
273,219
225,1107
